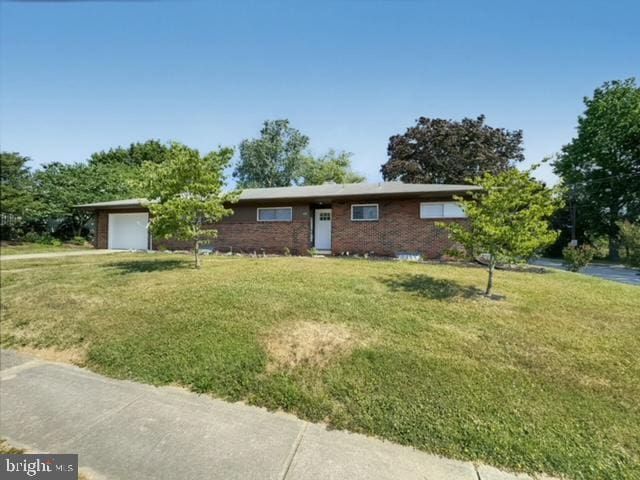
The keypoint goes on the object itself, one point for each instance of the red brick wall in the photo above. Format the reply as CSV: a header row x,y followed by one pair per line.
x,y
241,232
398,229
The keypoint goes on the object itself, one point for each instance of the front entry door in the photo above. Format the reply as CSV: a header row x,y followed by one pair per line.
x,y
322,237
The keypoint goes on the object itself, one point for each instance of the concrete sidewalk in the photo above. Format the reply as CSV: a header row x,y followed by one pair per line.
x,y
71,253
124,430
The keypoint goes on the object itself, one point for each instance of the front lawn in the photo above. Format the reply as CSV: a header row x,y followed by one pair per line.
x,y
545,380
25,247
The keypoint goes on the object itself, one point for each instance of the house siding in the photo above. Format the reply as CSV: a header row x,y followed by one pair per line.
x,y
241,232
398,229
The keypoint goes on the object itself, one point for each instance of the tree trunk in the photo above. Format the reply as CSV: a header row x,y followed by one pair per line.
x,y
77,225
196,251
492,266
614,248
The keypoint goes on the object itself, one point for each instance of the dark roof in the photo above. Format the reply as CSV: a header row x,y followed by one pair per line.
x,y
325,192
349,190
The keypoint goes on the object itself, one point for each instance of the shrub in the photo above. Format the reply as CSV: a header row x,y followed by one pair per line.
x,y
576,258
287,252
78,240
313,251
47,239
42,239
630,239
31,237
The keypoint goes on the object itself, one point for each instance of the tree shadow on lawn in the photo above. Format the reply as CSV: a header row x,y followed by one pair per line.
x,y
429,287
147,266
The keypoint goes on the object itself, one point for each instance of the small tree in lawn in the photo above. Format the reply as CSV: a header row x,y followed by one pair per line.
x,y
508,219
185,193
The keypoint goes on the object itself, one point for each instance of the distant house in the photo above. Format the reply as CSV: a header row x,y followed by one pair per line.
x,y
388,219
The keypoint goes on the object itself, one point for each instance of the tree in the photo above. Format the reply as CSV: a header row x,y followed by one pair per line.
x,y
601,165
630,239
273,160
186,193
62,186
135,155
446,151
331,167
508,219
17,200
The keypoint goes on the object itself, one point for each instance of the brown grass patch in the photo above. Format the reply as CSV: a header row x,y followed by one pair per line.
x,y
308,343
74,356
6,449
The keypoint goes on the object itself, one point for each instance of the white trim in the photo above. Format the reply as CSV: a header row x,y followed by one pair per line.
x,y
366,219
274,208
326,247
462,215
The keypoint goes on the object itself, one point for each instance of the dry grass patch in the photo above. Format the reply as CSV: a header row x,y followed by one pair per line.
x,y
308,344
7,449
74,356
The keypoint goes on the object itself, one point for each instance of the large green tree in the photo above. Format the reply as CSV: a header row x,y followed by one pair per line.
x,y
436,150
16,182
331,167
134,155
187,194
508,220
601,165
273,160
61,186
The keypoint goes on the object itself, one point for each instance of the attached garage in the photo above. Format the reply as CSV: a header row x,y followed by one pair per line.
x,y
121,224
128,231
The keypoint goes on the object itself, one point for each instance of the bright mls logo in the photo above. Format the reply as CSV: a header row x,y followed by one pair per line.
x,y
39,466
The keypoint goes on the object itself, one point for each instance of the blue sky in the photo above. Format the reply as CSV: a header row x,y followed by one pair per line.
x,y
78,77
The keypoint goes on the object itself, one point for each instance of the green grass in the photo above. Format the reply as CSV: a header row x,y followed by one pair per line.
x,y
20,248
544,380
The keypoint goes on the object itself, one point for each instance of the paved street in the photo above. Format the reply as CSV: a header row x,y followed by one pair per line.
x,y
124,430
615,273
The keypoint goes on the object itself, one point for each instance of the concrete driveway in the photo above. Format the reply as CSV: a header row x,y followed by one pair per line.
x,y
615,273
122,430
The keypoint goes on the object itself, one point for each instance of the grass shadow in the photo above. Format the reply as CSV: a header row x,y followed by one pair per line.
x,y
147,266
429,287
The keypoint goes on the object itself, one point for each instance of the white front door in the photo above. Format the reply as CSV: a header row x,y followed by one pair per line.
x,y
128,231
322,232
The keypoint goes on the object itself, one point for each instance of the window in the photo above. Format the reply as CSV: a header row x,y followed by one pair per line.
x,y
324,216
275,214
441,210
364,213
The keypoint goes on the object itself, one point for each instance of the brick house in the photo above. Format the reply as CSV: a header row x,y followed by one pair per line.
x,y
389,218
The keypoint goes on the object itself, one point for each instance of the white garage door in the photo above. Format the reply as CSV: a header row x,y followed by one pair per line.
x,y
128,231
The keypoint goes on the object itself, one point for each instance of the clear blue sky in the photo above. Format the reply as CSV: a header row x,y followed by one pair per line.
x,y
78,77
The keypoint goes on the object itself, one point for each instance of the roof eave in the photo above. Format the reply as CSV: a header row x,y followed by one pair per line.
x,y
355,196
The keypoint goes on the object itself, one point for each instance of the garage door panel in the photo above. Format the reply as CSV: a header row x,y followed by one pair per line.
x,y
128,231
